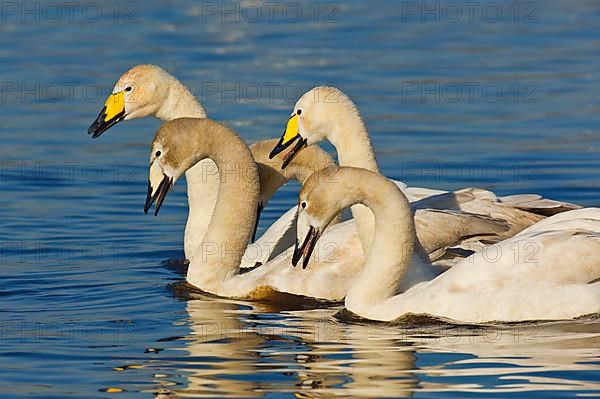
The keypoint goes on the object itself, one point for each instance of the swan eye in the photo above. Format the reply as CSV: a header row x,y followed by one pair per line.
x,y
128,88
299,112
303,204
158,153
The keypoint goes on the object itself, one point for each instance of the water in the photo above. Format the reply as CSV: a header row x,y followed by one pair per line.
x,y
89,298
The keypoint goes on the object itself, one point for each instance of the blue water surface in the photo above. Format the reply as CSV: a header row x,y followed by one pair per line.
x,y
502,96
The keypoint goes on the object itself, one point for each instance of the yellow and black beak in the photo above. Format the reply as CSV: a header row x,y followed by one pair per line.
x,y
306,249
112,113
291,135
157,196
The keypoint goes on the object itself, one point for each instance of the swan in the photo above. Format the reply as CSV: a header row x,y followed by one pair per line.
x,y
549,270
181,143
326,113
148,90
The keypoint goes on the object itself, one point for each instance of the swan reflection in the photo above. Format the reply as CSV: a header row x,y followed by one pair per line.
x,y
241,349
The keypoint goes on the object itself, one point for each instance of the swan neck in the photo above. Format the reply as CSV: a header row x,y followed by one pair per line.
x,y
353,146
179,103
232,223
352,143
391,252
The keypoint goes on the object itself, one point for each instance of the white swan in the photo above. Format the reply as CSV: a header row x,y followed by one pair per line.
x,y
326,113
148,90
181,143
548,271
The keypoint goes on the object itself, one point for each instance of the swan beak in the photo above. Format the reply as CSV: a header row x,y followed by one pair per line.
x,y
258,211
291,135
112,113
306,249
157,196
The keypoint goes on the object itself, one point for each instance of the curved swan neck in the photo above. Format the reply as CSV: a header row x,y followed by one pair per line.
x,y
232,222
393,244
350,137
351,141
179,103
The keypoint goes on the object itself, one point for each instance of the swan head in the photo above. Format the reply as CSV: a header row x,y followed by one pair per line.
x,y
138,93
319,203
317,116
177,146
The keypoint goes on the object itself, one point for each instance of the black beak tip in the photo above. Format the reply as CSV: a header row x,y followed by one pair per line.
x,y
285,163
309,246
300,144
159,196
100,126
297,254
94,130
259,209
275,151
149,198
148,204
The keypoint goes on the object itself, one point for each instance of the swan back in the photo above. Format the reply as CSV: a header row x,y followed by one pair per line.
x,y
549,271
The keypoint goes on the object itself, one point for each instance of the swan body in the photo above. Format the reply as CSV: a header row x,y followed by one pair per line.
x,y
550,270
326,113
